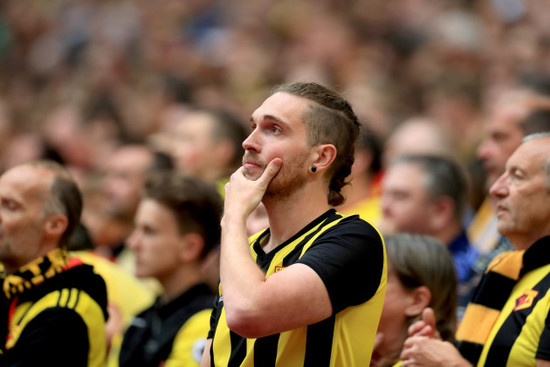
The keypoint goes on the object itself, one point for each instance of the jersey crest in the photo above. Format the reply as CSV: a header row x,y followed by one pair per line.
x,y
526,299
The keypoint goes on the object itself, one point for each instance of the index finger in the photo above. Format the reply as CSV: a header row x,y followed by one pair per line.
x,y
270,171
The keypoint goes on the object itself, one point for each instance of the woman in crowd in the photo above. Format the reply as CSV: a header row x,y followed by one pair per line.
x,y
420,274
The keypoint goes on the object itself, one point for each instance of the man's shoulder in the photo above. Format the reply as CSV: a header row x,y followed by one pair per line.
x,y
349,234
198,321
182,308
182,321
78,287
355,225
58,305
84,278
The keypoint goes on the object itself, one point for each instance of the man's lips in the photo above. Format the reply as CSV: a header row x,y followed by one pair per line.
x,y
500,209
251,165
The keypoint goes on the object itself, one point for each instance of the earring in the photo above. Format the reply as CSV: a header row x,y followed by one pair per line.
x,y
313,169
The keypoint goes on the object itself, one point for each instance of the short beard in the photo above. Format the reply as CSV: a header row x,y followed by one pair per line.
x,y
289,180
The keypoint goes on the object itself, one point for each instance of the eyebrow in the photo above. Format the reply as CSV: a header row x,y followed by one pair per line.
x,y
274,119
269,118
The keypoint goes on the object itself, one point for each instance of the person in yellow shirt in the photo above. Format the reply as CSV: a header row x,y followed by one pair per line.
x,y
506,322
53,306
176,226
363,194
309,290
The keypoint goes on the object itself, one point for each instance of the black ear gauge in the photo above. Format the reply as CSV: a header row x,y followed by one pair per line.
x,y
313,169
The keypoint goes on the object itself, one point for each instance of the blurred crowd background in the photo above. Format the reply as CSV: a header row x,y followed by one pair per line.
x,y
80,78
104,87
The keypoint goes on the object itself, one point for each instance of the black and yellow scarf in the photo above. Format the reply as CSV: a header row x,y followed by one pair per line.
x,y
34,273
493,292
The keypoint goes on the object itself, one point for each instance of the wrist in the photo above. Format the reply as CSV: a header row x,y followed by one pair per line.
x,y
232,220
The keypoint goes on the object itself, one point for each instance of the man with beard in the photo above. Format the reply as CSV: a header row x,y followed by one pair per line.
x,y
308,290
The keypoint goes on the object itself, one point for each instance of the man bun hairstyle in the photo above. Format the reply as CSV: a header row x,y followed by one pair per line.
x,y
329,120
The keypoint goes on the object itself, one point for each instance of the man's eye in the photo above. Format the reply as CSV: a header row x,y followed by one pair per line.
x,y
10,205
148,231
399,195
274,129
517,174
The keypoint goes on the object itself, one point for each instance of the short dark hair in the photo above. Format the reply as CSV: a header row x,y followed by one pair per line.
x,y
65,196
329,120
196,205
443,177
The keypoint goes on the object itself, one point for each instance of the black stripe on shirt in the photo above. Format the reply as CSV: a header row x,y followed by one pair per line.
x,y
265,351
470,351
493,290
510,331
238,351
319,343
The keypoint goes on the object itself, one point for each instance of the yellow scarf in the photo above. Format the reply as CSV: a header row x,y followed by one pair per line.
x,y
484,309
34,273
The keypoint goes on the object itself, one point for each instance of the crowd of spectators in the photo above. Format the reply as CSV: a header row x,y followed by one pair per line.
x,y
79,76
82,81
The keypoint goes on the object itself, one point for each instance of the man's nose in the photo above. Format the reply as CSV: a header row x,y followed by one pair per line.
x,y
251,143
500,187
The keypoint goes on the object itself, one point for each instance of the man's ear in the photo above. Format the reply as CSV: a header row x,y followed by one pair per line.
x,y
191,248
55,225
324,155
442,212
420,299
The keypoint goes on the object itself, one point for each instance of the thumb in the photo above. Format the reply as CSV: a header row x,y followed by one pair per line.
x,y
428,316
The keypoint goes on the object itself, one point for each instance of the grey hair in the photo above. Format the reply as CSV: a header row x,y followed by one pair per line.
x,y
54,205
63,198
547,164
536,136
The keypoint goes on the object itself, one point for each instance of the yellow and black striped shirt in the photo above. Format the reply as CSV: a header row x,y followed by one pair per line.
x,y
349,256
58,321
520,333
